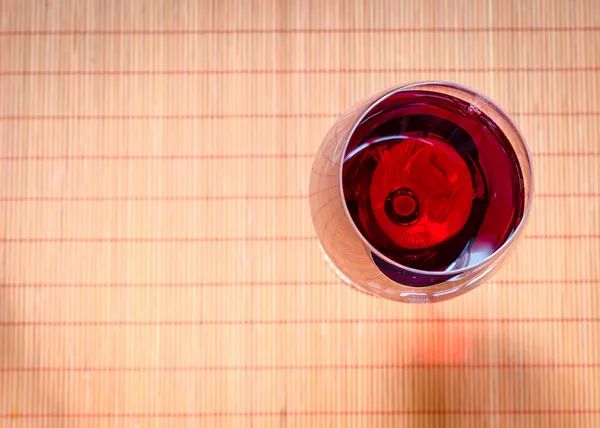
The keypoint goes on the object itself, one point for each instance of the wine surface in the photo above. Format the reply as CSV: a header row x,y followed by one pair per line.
x,y
432,182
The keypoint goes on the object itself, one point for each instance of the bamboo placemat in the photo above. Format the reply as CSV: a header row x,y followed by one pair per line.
x,y
159,267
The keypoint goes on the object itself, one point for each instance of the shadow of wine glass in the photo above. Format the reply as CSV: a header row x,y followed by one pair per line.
x,y
494,380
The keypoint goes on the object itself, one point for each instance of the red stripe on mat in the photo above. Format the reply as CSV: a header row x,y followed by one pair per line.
x,y
252,322
248,31
325,413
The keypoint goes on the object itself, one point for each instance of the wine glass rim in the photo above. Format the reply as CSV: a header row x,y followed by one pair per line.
x,y
505,116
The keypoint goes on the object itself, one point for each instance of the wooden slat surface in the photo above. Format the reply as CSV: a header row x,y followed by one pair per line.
x,y
159,268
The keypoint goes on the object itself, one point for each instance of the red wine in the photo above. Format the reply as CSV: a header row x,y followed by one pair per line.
x,y
432,183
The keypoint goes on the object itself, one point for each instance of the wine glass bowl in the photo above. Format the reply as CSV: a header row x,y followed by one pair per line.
x,y
419,193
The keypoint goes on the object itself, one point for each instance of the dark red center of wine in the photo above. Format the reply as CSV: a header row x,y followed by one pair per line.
x,y
429,188
403,205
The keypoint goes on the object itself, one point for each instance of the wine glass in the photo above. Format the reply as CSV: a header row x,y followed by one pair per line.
x,y
419,193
